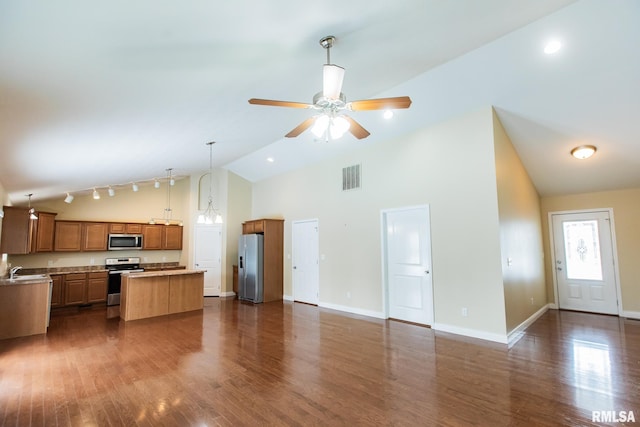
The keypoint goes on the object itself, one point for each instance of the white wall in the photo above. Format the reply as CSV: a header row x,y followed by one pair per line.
x,y
451,167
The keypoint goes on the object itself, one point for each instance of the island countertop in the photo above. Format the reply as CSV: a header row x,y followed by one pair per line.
x,y
161,273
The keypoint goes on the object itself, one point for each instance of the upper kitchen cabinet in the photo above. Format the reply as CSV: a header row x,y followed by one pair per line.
x,y
68,236
123,228
22,235
94,236
156,237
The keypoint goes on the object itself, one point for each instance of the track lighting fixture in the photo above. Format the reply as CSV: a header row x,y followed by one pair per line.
x,y
68,199
32,212
96,195
111,191
134,187
156,184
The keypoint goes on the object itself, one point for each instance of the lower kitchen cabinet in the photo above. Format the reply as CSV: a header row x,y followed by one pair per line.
x,y
57,294
75,288
84,288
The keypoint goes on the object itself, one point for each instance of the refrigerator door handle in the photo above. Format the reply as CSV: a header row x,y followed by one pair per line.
x,y
240,266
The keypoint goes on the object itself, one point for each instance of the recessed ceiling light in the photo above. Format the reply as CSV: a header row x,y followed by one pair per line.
x,y
270,159
583,152
552,47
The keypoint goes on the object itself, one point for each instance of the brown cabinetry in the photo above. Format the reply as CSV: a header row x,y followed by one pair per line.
x,y
155,236
57,295
82,288
272,276
124,228
94,236
97,287
75,288
68,236
22,235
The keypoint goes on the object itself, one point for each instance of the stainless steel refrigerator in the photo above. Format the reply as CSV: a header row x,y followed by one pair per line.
x,y
250,259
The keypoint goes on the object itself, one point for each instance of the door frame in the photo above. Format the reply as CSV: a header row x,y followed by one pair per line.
x,y
293,249
614,252
384,263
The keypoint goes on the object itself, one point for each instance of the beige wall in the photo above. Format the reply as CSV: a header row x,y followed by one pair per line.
x,y
520,233
451,167
238,211
626,213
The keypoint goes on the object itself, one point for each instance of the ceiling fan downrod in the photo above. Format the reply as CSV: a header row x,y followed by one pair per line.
x,y
327,43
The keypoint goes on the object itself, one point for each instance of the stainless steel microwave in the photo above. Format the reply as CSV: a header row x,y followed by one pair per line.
x,y
121,242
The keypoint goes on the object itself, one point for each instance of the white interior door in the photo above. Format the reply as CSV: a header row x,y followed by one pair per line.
x,y
584,262
408,264
208,256
306,268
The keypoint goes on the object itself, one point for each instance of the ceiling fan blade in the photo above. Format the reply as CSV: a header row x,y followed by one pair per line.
x,y
380,103
332,77
273,103
301,128
356,129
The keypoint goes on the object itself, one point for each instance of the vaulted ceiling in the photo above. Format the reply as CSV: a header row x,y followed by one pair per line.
x,y
96,94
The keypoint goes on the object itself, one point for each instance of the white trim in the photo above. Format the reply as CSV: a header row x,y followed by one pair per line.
x,y
287,297
473,333
227,294
614,253
631,314
369,313
517,332
553,306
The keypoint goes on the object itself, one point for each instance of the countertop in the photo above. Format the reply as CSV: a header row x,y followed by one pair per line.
x,y
161,273
9,282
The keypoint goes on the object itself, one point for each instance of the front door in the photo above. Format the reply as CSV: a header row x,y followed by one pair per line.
x,y
408,264
584,262
306,277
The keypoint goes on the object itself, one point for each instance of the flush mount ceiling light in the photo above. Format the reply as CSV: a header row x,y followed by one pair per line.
x,y
552,47
583,152
68,199
211,214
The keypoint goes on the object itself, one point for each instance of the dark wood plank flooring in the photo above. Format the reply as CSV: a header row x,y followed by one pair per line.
x,y
235,364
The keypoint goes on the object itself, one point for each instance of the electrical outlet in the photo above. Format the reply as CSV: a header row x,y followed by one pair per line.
x,y
465,312
531,301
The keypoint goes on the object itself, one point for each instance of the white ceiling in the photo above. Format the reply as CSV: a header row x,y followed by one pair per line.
x,y
105,93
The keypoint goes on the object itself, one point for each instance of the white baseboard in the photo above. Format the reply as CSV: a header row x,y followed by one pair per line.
x,y
370,313
518,331
631,314
287,297
552,306
473,333
227,294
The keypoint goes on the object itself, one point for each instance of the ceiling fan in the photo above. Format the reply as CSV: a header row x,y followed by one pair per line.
x,y
331,121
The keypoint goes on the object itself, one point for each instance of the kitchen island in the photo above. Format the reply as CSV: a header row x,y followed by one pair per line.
x,y
24,306
158,293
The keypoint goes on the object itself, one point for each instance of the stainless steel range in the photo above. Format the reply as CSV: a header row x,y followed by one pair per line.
x,y
116,266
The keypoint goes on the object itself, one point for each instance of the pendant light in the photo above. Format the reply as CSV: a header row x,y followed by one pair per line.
x,y
211,214
32,211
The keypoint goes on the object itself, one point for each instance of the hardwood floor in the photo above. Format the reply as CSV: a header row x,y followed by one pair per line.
x,y
235,363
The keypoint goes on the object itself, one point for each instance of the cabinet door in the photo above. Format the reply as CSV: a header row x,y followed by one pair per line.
x,y
15,231
247,227
57,296
117,228
172,237
152,236
75,289
94,236
134,229
68,236
44,229
97,287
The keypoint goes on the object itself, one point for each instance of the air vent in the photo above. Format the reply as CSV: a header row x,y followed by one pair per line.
x,y
351,179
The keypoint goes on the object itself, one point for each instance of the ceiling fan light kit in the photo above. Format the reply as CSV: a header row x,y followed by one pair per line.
x,y
331,103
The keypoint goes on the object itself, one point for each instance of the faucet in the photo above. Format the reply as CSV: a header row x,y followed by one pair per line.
x,y
13,271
